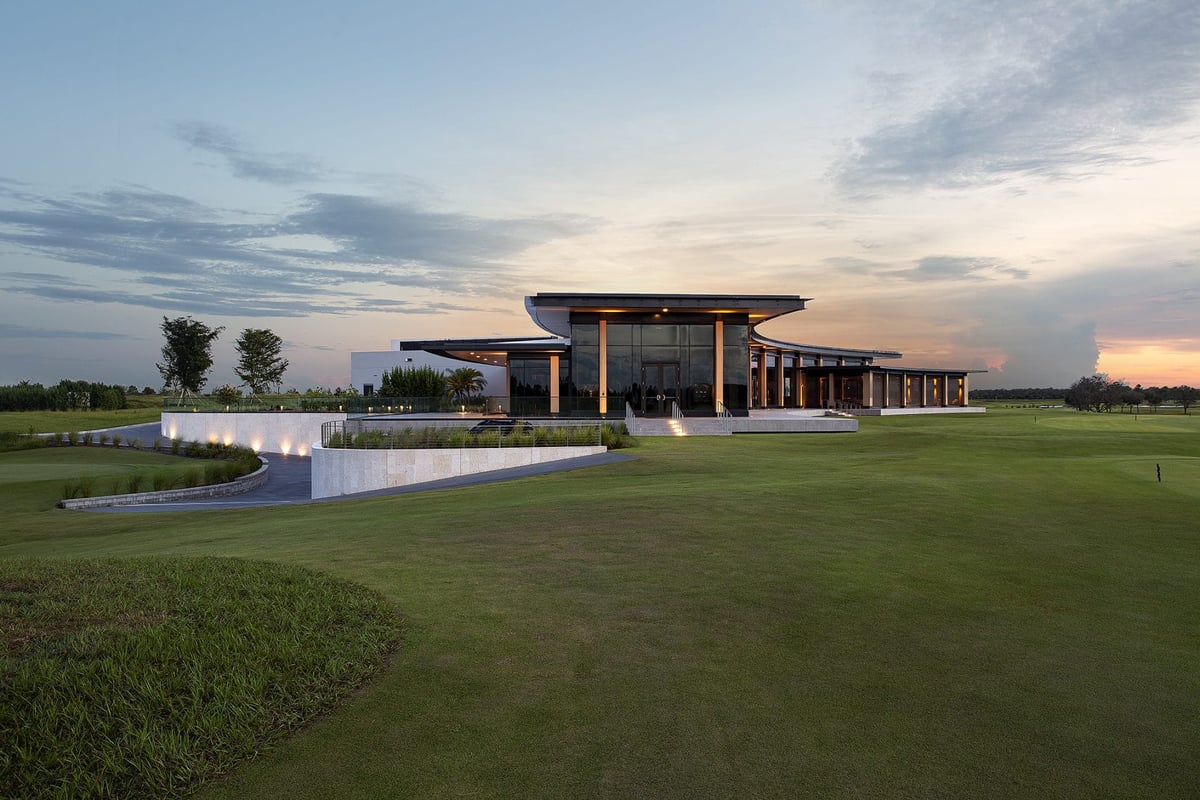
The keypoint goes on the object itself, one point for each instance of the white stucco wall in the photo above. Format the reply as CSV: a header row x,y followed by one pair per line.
x,y
344,471
290,432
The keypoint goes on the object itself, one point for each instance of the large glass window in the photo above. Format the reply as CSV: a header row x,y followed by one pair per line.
x,y
736,347
584,396
529,385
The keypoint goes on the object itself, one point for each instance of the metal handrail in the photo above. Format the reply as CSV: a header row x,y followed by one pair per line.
x,y
723,415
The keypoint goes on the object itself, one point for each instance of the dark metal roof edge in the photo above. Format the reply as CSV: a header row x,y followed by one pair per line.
x,y
821,349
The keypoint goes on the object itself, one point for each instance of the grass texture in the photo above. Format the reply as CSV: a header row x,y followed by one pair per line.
x,y
140,678
963,606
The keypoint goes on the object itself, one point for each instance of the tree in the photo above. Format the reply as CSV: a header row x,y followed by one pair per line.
x,y
1186,396
413,382
464,382
260,366
1096,393
187,355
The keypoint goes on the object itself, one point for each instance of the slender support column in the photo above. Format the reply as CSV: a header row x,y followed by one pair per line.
x,y
830,401
718,391
869,390
762,378
603,366
924,390
779,378
554,385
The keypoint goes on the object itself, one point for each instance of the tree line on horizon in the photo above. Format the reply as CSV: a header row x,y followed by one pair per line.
x,y
66,395
1100,393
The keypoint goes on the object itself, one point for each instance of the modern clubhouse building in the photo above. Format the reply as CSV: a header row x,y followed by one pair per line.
x,y
690,355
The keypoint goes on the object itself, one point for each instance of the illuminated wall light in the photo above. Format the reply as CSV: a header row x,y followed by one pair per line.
x,y
256,445
285,447
301,451
228,440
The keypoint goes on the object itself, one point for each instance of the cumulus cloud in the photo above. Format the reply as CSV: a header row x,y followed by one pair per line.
x,y
1057,94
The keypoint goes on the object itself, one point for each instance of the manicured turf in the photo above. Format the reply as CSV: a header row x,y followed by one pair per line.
x,y
973,606
68,421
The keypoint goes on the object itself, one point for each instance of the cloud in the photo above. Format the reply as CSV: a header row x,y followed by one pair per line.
x,y
931,269
11,331
334,254
938,268
1061,95
282,169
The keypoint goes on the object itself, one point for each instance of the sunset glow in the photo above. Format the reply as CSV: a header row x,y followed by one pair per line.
x,y
1009,187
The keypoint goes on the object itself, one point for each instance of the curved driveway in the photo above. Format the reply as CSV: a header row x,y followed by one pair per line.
x,y
289,480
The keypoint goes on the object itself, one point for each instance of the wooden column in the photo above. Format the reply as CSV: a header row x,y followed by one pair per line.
x,y
718,391
603,366
554,385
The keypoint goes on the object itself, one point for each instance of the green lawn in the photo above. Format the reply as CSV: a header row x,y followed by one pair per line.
x,y
67,421
998,606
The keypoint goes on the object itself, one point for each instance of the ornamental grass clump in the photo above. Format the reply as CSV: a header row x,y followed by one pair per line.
x,y
142,678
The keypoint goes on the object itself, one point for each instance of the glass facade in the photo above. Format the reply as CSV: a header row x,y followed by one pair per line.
x,y
652,360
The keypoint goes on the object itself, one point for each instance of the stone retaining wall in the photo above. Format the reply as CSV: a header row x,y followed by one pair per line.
x,y
337,471
237,486
287,432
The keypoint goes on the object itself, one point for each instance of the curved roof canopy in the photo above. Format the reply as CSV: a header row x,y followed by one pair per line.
x,y
552,310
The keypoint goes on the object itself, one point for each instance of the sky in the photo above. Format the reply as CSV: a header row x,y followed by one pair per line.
x,y
1004,185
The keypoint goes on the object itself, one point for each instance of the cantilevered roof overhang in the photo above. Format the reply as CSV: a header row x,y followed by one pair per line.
x,y
823,351
552,310
488,351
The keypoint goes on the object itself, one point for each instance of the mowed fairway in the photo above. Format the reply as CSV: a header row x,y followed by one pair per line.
x,y
988,606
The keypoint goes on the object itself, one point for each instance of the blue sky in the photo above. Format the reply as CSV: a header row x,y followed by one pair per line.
x,y
1004,185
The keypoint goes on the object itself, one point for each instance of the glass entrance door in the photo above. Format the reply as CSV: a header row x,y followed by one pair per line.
x,y
660,388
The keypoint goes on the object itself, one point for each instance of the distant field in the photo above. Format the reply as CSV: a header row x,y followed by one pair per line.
x,y
999,605
67,421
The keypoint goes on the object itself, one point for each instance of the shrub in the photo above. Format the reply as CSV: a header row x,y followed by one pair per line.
x,y
175,444
134,482
193,478
116,440
88,439
80,487
615,437
73,438
582,436
162,481
19,441
104,439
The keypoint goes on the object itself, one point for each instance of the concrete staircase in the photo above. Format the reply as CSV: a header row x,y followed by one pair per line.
x,y
677,426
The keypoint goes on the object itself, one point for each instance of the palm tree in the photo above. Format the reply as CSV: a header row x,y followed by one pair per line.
x,y
464,382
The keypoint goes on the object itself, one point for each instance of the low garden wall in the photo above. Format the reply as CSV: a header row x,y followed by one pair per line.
x,y
236,486
338,471
287,432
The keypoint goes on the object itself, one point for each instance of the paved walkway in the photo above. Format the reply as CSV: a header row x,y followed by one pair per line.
x,y
289,480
